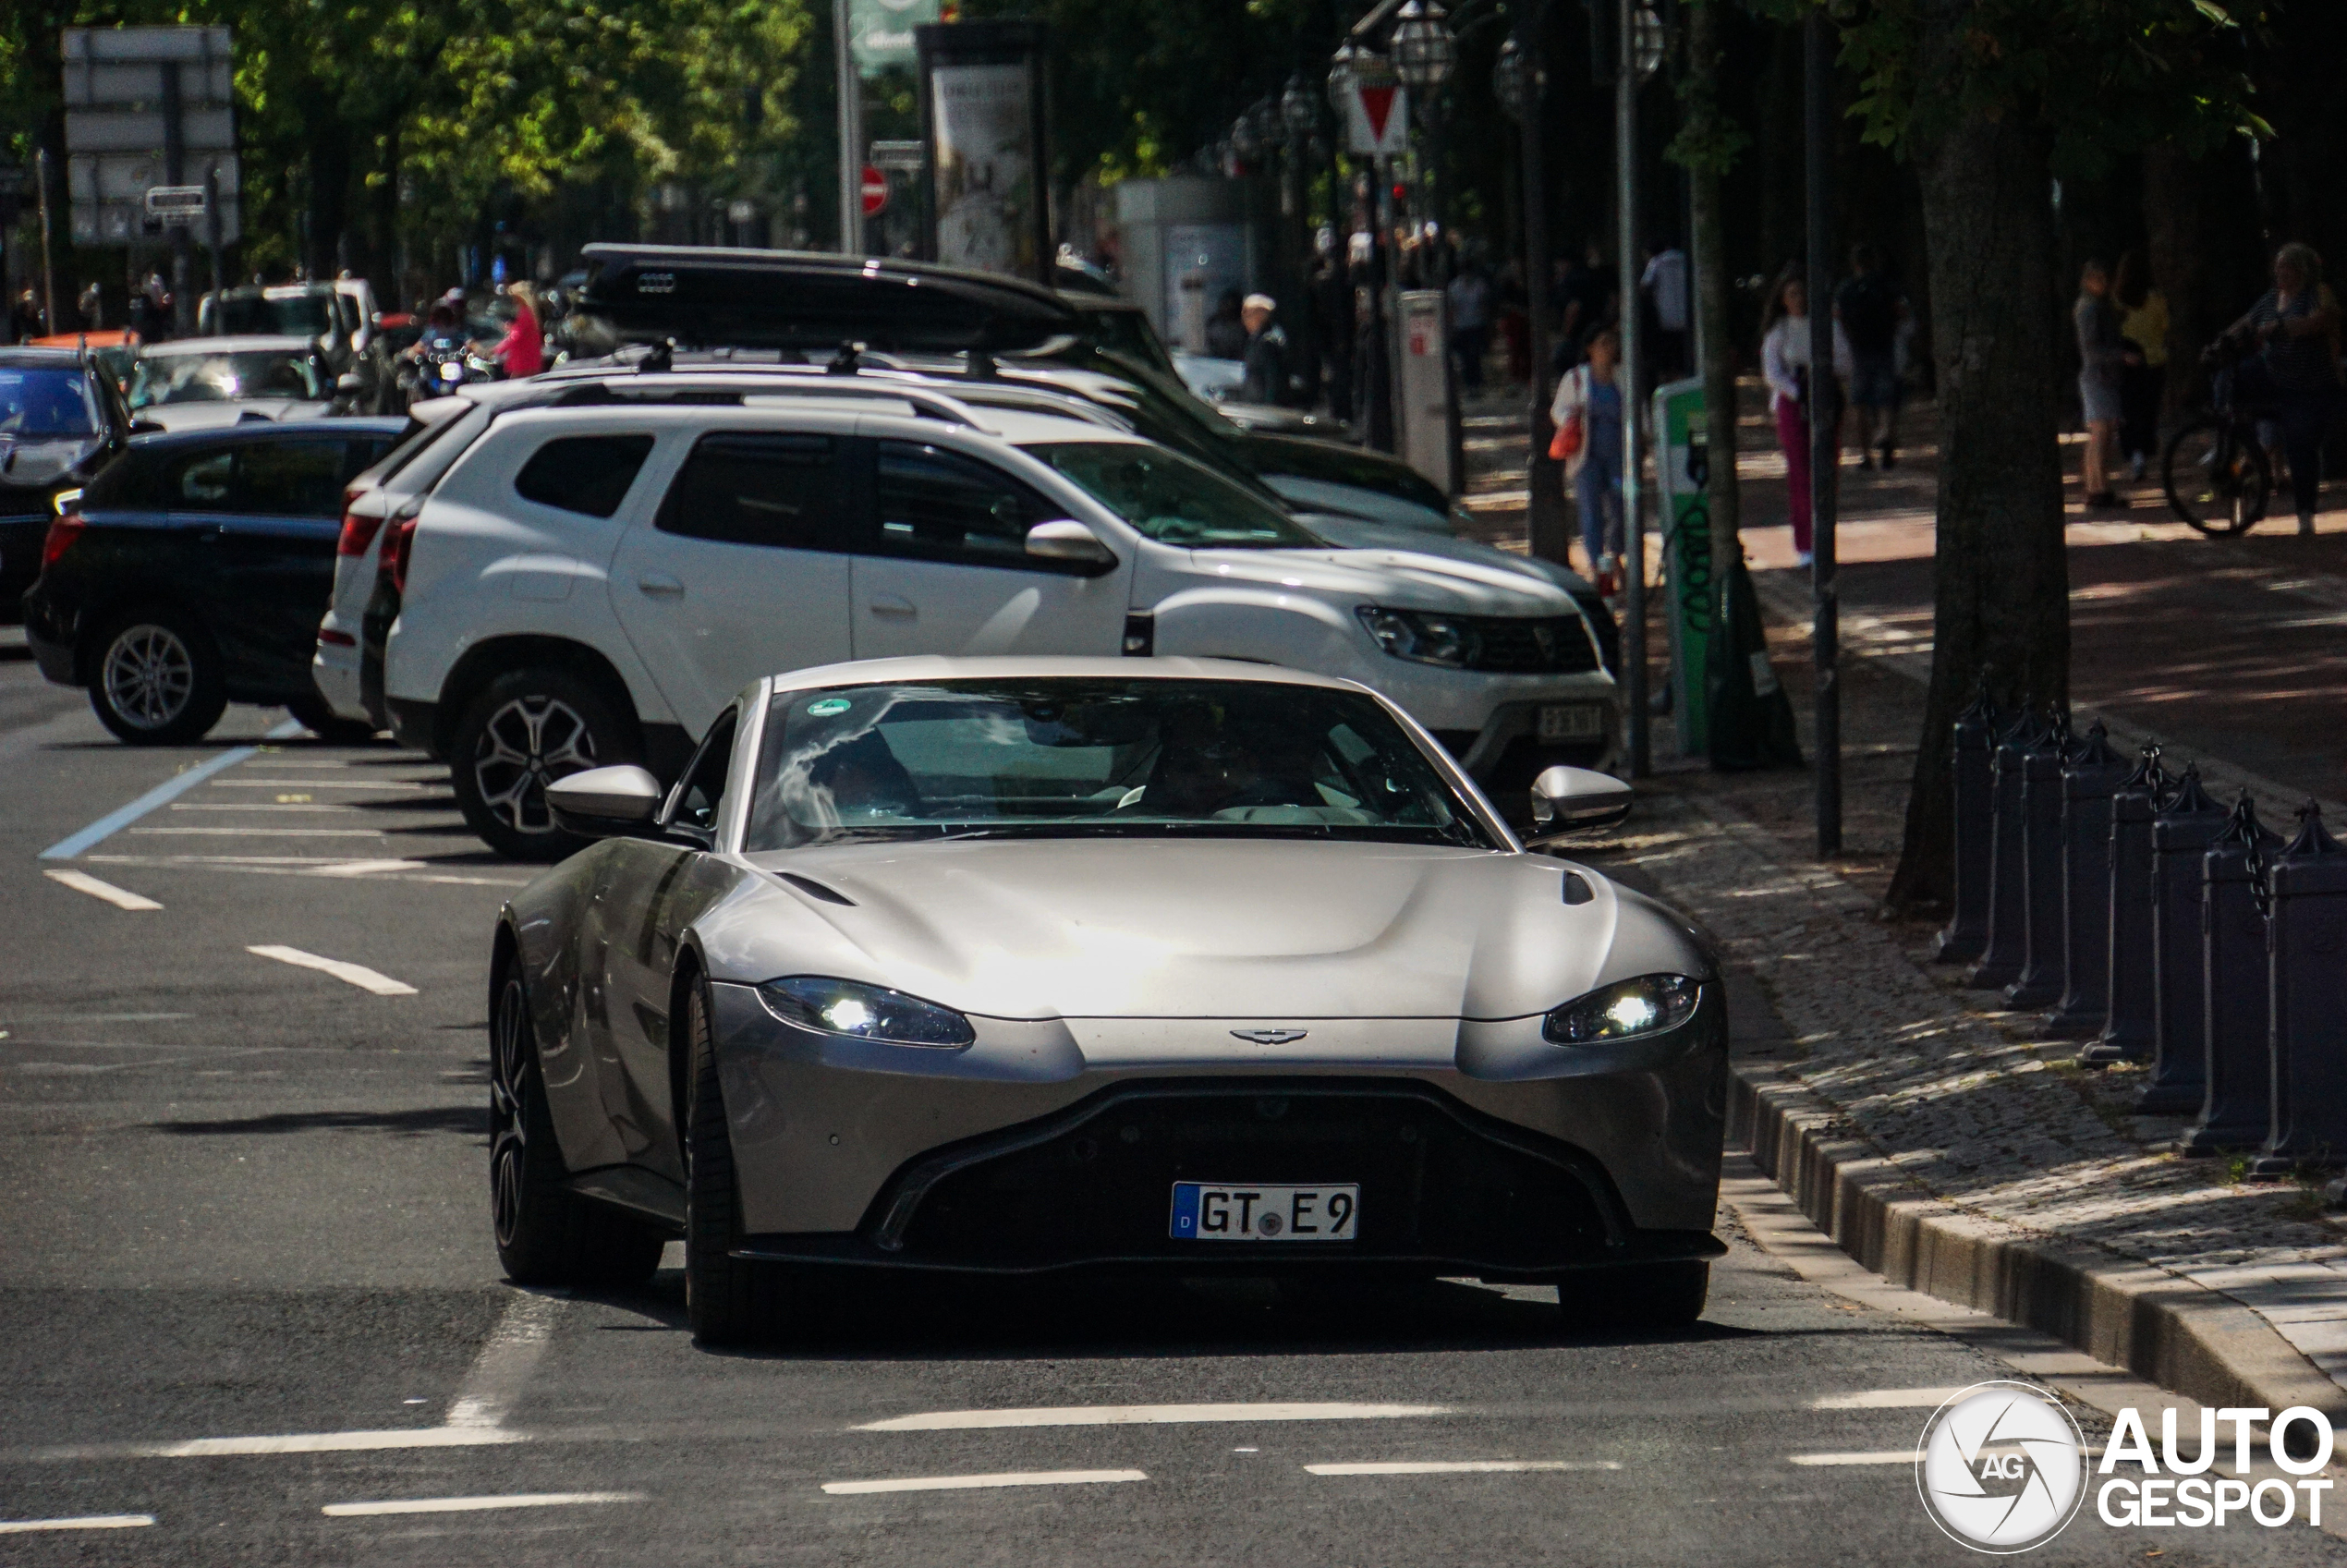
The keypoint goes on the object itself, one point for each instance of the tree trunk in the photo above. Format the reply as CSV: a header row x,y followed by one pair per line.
x,y
1709,259
2003,600
329,194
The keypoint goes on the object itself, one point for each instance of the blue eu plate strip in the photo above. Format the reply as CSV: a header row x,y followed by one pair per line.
x,y
1186,1210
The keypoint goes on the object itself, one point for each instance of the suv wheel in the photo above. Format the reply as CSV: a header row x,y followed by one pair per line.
x,y
524,731
158,680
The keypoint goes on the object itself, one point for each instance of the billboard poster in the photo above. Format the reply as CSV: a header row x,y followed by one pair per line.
x,y
983,173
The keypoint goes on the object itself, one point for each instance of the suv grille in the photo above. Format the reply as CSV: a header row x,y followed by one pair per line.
x,y
1518,645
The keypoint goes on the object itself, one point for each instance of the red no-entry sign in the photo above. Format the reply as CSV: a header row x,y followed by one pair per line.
x,y
875,191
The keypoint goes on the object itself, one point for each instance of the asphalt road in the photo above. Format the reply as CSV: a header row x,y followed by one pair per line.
x,y
247,1292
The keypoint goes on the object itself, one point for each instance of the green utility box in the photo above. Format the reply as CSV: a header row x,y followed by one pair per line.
x,y
1682,470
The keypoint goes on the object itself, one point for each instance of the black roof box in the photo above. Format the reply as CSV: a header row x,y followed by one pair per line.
x,y
708,297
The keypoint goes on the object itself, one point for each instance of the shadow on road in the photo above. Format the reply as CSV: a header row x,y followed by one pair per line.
x,y
404,1123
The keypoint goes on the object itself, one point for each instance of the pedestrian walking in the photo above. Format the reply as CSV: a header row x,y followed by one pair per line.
x,y
1587,413
1869,309
1796,395
2294,371
2102,358
522,351
1266,352
2143,321
1664,286
1516,320
1470,298
1225,332
93,307
24,317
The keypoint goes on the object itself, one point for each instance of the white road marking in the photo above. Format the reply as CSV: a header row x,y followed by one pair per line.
x,y
328,1442
503,1365
256,832
1886,1399
170,789
472,1504
350,974
1880,1456
1458,1466
258,806
318,783
966,1483
1145,1415
366,867
87,1522
83,882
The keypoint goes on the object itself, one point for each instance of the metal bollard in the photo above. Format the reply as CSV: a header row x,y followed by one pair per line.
x,y
2000,962
1966,936
2042,973
2237,1111
2306,935
2092,773
2127,1032
2180,837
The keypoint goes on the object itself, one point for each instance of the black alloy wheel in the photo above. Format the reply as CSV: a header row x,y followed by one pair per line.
x,y
523,732
158,680
546,1235
729,1300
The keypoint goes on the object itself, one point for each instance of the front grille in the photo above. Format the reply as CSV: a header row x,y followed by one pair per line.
x,y
1439,1183
1519,645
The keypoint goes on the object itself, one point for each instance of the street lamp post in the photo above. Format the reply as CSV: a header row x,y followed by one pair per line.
x,y
1424,53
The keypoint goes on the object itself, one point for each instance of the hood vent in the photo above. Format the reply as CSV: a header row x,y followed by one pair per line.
x,y
814,889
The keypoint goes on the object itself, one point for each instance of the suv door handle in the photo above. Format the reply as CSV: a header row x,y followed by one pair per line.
x,y
659,585
890,604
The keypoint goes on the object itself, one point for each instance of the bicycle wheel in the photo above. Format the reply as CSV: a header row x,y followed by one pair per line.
x,y
2216,476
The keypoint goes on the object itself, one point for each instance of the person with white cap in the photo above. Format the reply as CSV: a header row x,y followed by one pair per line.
x,y
1266,352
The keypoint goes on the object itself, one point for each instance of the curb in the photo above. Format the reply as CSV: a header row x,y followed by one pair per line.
x,y
2167,1330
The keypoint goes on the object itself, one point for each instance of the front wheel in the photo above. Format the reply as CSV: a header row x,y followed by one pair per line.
x,y
730,1300
2217,476
158,680
523,732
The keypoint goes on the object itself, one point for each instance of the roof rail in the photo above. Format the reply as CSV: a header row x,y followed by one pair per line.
x,y
924,403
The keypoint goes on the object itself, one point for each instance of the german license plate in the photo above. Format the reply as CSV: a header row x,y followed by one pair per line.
x,y
1582,721
1214,1211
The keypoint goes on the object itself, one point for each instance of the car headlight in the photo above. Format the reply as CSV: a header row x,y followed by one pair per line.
x,y
1648,1005
1421,638
864,1012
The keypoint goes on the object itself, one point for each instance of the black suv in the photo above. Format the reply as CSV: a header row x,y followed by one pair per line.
x,y
62,419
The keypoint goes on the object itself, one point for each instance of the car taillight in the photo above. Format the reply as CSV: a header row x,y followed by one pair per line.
x,y
336,639
63,531
401,544
358,533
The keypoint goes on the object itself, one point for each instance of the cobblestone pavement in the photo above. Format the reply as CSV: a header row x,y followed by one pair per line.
x,y
1957,1094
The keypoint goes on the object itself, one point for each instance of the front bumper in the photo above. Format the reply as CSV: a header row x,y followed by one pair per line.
x,y
844,1160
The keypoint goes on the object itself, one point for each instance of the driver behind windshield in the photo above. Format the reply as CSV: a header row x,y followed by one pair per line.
x,y
43,404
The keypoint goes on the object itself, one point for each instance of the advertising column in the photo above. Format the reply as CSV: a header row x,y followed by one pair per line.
x,y
986,203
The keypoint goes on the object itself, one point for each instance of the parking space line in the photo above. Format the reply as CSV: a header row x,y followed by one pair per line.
x,y
257,832
326,1442
366,867
1878,1456
969,1483
319,783
472,1504
505,1362
1886,1399
350,974
260,806
1458,1466
87,1522
1146,1416
83,882
162,794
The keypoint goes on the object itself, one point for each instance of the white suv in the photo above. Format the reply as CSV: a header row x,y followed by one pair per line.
x,y
592,583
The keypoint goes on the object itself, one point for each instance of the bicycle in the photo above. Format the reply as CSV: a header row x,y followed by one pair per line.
x,y
2215,469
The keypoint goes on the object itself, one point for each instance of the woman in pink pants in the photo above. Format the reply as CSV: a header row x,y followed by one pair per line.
x,y
1785,361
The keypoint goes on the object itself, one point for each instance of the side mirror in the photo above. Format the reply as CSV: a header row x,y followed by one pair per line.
x,y
146,427
1571,800
605,802
1067,540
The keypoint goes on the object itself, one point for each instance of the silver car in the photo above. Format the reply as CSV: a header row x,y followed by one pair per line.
x,y
1013,966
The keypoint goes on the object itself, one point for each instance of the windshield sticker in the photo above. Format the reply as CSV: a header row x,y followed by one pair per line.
x,y
823,708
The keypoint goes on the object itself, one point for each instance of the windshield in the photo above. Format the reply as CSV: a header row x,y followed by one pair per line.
x,y
224,378
297,315
1080,758
1173,500
37,404
1128,332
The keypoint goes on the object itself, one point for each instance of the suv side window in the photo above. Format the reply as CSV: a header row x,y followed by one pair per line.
x,y
288,479
699,794
750,487
939,505
588,474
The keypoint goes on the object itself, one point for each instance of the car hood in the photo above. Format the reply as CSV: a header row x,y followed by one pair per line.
x,y
1256,929
177,416
1360,533
37,463
1399,576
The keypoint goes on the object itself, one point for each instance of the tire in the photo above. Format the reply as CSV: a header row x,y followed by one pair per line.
x,y
1638,1298
157,680
523,731
2217,478
546,1235
328,725
729,1300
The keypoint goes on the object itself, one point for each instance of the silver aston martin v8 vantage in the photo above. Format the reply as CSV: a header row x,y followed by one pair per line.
x,y
1021,965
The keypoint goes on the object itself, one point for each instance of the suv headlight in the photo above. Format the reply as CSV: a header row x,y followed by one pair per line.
x,y
864,1012
1419,637
1648,1005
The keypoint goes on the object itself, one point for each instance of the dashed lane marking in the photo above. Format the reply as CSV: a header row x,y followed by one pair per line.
x,y
1146,1415
472,1504
1458,1466
162,794
503,1365
367,867
87,1522
323,1442
350,974
83,882
969,1483
1878,1456
1886,1399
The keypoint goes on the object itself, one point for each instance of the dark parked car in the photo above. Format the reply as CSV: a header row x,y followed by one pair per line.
x,y
62,419
193,572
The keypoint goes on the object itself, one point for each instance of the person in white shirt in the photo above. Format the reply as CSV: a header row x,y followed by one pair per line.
x,y
1664,283
1793,393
